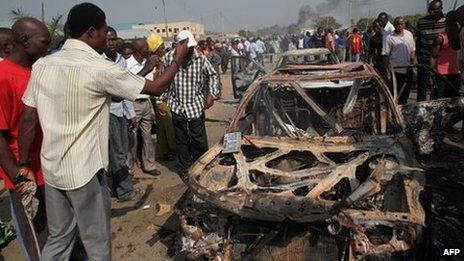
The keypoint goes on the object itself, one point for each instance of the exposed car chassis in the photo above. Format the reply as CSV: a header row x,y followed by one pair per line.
x,y
369,185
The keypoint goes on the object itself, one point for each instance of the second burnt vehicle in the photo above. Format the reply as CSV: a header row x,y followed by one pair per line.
x,y
311,56
319,144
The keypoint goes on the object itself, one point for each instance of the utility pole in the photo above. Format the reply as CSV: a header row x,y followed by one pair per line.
x,y
350,12
165,19
43,13
222,25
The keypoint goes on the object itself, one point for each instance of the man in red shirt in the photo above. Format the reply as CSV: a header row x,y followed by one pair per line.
x,y
31,41
355,45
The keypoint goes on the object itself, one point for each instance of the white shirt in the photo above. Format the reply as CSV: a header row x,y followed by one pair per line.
x,y
386,31
399,48
123,108
300,43
71,90
253,50
135,67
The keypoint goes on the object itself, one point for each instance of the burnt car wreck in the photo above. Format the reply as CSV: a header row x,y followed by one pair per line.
x,y
322,145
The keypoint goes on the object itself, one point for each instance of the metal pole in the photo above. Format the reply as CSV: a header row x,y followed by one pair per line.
x,y
43,12
165,19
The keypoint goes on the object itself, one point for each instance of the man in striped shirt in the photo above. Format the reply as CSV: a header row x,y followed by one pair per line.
x,y
428,29
69,93
193,90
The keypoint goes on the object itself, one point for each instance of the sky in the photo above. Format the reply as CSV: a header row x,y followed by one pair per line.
x,y
218,15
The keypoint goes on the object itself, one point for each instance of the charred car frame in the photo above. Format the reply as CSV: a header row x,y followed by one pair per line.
x,y
322,144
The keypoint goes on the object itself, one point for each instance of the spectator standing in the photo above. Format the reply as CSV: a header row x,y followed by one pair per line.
x,y
29,41
400,48
260,50
330,40
317,40
375,47
203,48
387,27
214,57
126,50
307,40
340,45
122,115
186,97
6,42
164,128
69,94
144,114
355,41
446,63
428,29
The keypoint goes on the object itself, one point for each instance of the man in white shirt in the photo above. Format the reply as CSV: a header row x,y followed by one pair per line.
x,y
387,27
400,49
144,113
69,93
121,112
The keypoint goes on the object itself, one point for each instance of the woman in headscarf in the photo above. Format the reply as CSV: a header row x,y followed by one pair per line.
x,y
164,127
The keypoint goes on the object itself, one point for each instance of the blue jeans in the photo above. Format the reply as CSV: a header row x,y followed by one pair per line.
x,y
355,57
118,150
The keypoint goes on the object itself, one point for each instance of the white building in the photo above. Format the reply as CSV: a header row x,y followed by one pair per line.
x,y
173,28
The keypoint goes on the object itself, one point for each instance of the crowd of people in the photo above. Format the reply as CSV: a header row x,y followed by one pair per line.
x,y
75,117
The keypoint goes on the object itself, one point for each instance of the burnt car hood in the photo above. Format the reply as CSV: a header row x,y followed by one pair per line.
x,y
278,178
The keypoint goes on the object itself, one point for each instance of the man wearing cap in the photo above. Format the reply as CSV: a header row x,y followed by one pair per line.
x,y
193,90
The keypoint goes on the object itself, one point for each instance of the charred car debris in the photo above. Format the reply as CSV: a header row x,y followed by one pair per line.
x,y
326,169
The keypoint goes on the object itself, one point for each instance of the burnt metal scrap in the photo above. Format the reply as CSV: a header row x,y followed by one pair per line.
x,y
425,121
319,145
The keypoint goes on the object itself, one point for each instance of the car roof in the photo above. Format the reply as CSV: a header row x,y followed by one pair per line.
x,y
320,72
302,52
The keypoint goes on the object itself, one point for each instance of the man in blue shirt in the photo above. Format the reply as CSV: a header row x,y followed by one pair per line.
x,y
307,40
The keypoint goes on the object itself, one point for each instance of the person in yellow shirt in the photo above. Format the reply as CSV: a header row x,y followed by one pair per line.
x,y
164,128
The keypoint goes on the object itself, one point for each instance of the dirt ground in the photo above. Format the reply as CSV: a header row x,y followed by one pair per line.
x,y
134,225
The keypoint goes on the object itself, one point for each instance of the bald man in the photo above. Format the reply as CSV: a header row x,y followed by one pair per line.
x,y
143,113
31,41
6,42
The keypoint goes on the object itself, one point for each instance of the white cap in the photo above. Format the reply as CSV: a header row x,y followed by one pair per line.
x,y
185,34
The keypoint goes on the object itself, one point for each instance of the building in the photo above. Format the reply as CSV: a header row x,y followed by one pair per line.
x,y
130,34
197,29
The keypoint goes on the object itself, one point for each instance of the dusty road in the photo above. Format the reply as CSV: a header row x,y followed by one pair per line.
x,y
136,231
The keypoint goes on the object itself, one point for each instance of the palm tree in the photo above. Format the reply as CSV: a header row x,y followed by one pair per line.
x,y
55,27
16,14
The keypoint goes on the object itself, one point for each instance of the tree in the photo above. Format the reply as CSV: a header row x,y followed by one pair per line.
x,y
16,14
55,27
413,19
364,23
326,22
246,34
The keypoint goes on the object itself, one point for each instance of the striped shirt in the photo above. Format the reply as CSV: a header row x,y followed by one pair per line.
x,y
427,32
71,90
186,94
